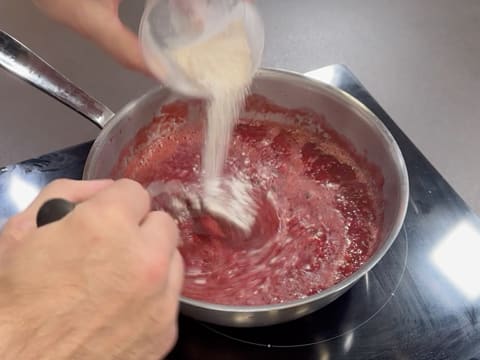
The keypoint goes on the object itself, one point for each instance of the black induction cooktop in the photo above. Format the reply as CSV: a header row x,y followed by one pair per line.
x,y
422,301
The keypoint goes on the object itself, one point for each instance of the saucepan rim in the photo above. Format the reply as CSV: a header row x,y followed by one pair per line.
x,y
366,115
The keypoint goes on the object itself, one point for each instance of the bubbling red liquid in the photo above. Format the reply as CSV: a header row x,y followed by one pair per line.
x,y
320,213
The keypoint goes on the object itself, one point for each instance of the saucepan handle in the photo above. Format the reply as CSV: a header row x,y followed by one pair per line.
x,y
19,60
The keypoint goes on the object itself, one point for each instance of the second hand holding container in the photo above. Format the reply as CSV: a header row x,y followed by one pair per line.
x,y
169,25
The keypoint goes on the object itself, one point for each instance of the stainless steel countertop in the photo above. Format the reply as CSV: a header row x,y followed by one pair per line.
x,y
419,58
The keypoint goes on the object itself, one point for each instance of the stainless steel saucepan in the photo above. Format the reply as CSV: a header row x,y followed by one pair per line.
x,y
342,112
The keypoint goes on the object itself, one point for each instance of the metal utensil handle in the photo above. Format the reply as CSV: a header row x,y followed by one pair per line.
x,y
25,64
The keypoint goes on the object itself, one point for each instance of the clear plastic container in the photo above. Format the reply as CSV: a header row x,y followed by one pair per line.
x,y
170,24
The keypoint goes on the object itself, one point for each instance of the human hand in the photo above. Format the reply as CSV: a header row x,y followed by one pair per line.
x,y
98,21
102,283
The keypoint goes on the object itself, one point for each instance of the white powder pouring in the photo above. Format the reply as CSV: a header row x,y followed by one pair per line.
x,y
222,66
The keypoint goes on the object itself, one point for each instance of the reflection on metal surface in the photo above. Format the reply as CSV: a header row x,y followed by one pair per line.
x,y
456,257
328,74
21,192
